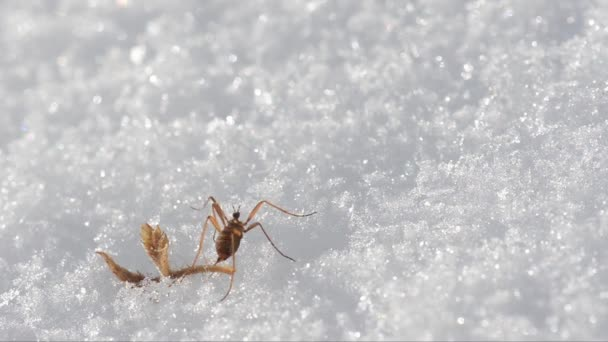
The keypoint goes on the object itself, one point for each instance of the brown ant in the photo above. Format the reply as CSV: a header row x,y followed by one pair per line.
x,y
231,232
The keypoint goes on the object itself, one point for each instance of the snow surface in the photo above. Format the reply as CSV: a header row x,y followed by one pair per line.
x,y
457,154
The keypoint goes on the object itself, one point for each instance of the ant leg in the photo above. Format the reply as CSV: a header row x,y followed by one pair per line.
x,y
233,267
259,205
258,224
215,208
204,205
202,239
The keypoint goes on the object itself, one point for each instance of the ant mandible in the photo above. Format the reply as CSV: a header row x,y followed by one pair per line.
x,y
232,232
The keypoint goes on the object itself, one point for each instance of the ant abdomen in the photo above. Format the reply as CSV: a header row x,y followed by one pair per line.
x,y
223,244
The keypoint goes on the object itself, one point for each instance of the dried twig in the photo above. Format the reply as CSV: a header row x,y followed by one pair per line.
x,y
120,272
156,244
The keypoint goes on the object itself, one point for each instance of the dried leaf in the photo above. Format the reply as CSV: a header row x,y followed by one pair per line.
x,y
120,272
156,244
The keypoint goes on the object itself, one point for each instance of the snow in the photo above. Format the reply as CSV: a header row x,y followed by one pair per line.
x,y
456,153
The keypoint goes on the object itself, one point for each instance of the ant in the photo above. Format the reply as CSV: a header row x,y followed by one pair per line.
x,y
231,232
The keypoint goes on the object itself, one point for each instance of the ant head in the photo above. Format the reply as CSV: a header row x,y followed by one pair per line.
x,y
236,212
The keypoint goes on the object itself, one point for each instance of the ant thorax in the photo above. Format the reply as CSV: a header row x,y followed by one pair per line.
x,y
235,224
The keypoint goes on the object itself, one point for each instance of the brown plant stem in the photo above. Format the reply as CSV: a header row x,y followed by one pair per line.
x,y
135,277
